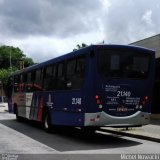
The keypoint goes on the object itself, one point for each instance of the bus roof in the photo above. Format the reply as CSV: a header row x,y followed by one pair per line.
x,y
78,53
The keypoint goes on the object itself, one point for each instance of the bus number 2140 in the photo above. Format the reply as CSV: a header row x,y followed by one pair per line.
x,y
76,101
123,94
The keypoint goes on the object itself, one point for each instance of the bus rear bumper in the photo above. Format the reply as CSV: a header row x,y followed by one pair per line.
x,y
104,119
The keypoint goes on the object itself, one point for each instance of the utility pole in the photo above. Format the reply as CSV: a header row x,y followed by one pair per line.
x,y
10,60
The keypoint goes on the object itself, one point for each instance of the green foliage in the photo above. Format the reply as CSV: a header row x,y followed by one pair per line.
x,y
27,61
11,59
4,74
14,55
80,46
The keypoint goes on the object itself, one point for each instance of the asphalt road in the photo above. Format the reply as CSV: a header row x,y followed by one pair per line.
x,y
30,141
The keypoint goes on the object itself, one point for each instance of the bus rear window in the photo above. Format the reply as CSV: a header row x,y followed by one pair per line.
x,y
123,64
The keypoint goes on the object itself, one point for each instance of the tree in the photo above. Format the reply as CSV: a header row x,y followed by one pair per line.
x,y
11,59
27,61
80,46
11,56
4,74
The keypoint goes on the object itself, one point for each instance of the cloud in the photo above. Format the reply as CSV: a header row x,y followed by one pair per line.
x,y
50,28
44,29
48,18
44,48
147,17
130,20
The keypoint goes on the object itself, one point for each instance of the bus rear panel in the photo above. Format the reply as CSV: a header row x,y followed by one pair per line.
x,y
123,82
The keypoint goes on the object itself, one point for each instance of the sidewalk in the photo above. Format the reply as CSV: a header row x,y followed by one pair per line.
x,y
149,132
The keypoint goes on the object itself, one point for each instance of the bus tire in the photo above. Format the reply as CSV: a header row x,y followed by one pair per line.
x,y
47,122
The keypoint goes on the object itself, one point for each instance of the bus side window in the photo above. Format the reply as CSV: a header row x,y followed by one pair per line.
x,y
70,74
75,73
23,81
80,67
16,83
80,70
29,83
60,77
38,80
49,78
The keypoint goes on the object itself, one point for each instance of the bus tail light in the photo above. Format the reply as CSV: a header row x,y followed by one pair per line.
x,y
98,101
97,97
142,103
145,100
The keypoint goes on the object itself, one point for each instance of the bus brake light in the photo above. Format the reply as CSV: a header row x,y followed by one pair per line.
x,y
97,97
98,101
145,99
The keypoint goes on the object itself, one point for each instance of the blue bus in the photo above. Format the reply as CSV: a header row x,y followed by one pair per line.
x,y
99,85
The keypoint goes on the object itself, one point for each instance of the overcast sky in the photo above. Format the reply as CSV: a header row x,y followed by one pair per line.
x,y
44,29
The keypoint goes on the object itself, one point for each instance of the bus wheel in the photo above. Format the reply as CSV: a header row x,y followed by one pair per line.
x,y
47,122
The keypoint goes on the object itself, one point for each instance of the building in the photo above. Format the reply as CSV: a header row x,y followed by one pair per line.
x,y
153,43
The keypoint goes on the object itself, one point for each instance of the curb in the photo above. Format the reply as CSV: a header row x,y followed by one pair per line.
x,y
155,116
131,135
